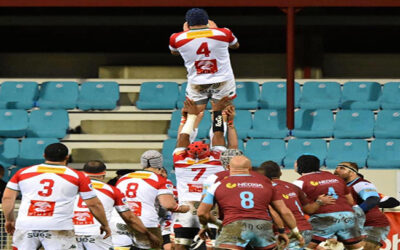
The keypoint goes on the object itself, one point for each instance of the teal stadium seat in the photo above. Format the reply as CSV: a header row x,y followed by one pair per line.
x,y
387,124
9,151
354,124
313,123
248,94
174,124
51,123
298,147
269,124
352,150
320,95
32,150
182,95
158,95
167,150
172,177
384,153
13,122
243,123
390,96
273,95
204,126
18,95
261,150
361,95
58,95
98,95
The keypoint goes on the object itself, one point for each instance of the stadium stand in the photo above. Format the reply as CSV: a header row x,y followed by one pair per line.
x,y
361,95
390,96
48,123
174,124
167,149
31,151
320,95
13,122
243,123
248,94
298,147
387,124
182,95
58,95
9,151
352,150
313,123
98,95
18,94
384,153
269,124
273,95
158,95
260,150
354,124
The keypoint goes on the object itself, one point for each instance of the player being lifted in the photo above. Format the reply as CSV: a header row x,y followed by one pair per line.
x,y
194,162
205,49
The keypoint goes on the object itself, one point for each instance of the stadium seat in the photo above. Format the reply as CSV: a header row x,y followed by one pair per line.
x,y
32,150
58,95
313,123
347,150
172,177
247,95
298,147
174,124
18,95
320,95
48,123
261,150
361,95
269,124
390,95
182,95
273,95
204,126
13,122
384,153
354,124
9,151
167,150
98,95
387,124
243,123
158,95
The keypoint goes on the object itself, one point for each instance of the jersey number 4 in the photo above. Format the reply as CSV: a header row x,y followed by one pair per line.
x,y
203,50
47,190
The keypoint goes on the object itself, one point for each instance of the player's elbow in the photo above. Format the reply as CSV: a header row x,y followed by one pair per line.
x,y
175,53
234,46
202,212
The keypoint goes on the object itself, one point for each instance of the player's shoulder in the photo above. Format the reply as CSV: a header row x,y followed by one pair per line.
x,y
224,30
175,35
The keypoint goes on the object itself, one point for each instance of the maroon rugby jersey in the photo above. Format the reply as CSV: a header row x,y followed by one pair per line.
x,y
294,199
374,217
242,197
322,182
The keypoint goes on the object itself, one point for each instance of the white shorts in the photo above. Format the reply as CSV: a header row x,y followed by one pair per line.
x,y
200,94
93,242
49,239
121,237
189,219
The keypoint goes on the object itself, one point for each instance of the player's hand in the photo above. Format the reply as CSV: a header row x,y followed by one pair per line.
x,y
230,112
106,230
10,227
283,241
299,238
183,209
155,242
212,24
326,199
191,107
204,233
185,26
220,104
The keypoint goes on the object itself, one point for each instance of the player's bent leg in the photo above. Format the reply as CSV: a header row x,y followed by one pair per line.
x,y
26,239
58,239
375,236
220,90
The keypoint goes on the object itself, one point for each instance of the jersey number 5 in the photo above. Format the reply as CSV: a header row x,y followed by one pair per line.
x,y
47,187
203,50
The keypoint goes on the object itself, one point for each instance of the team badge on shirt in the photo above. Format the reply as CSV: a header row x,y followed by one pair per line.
x,y
314,183
231,185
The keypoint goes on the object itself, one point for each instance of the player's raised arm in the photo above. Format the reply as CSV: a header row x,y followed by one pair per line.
x,y
187,129
217,121
233,141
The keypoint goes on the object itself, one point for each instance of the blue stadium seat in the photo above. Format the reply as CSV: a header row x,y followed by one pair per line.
x,y
172,177
182,95
313,123
158,95
387,124
298,147
347,150
204,126
241,145
167,150
354,124
13,122
48,123
98,95
248,94
174,124
269,124
320,95
361,95
273,95
390,96
243,123
58,95
261,150
384,153
18,95
32,150
9,151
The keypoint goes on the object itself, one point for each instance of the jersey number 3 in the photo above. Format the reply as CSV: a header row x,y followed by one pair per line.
x,y
203,50
47,190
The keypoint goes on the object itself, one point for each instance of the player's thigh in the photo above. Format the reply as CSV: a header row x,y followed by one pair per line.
x,y
142,241
220,90
198,93
349,233
26,239
376,235
93,242
58,239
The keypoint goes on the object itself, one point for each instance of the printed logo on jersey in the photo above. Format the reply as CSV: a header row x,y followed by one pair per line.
x,y
249,185
195,188
199,34
169,186
97,185
231,185
314,183
139,175
45,169
206,66
191,162
324,182
41,208
135,207
285,196
83,218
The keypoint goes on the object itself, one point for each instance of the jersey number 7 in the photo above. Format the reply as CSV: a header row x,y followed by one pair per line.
x,y
199,174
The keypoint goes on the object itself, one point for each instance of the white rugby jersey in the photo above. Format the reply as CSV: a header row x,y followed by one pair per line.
x,y
48,196
110,197
192,173
141,189
206,55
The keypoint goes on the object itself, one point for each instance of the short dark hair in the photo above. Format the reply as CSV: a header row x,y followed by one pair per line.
x,y
307,164
196,16
271,169
56,152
